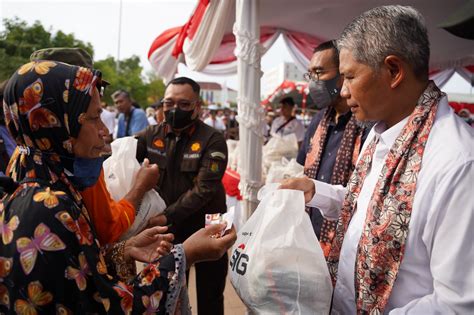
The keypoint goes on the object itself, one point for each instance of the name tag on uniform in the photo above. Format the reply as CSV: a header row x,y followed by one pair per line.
x,y
157,152
192,155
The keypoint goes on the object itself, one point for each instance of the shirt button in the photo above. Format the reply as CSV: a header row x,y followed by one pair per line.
x,y
329,153
322,176
335,132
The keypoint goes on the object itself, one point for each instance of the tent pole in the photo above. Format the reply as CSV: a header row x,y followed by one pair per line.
x,y
250,112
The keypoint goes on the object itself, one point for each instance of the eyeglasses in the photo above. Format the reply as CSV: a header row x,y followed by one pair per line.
x,y
182,104
94,120
314,75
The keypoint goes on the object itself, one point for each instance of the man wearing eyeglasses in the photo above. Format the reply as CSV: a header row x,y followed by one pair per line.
x,y
192,158
333,138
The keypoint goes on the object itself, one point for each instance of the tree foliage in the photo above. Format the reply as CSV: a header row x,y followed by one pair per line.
x,y
19,40
128,76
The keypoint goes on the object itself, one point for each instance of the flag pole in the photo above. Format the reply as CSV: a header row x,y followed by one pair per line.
x,y
119,37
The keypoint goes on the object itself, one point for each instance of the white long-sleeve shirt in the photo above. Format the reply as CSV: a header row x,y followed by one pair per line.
x,y
294,126
436,275
215,123
108,118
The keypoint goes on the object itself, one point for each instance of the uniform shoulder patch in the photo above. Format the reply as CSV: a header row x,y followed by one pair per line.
x,y
218,155
214,167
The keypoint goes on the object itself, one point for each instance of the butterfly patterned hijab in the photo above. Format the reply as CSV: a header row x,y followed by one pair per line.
x,y
43,102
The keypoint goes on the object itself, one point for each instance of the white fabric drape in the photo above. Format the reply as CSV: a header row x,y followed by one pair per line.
x,y
299,58
441,77
310,19
221,69
231,67
466,74
250,113
200,50
162,61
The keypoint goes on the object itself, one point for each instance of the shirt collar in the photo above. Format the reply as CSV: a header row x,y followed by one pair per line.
x,y
130,112
388,136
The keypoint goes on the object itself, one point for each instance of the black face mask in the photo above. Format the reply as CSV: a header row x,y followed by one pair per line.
x,y
178,118
325,92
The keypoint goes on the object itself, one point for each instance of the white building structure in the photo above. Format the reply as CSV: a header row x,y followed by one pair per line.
x,y
213,93
275,76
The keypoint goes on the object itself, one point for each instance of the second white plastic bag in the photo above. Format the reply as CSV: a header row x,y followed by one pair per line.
x,y
277,265
119,172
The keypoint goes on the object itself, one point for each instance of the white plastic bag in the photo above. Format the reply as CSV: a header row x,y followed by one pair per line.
x,y
233,153
119,173
277,265
239,216
277,148
284,169
293,169
280,146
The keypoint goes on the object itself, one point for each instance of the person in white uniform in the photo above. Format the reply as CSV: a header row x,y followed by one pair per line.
x,y
214,121
287,123
403,243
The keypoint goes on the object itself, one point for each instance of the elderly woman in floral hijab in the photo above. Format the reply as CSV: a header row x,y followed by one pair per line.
x,y
50,258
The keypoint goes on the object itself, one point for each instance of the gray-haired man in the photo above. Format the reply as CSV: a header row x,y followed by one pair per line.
x,y
403,243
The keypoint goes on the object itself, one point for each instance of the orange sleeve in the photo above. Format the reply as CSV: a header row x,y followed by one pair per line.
x,y
110,218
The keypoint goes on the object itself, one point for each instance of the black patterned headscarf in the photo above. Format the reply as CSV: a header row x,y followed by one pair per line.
x,y
43,103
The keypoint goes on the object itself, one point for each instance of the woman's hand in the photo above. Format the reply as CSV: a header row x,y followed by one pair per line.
x,y
201,246
145,179
149,245
147,176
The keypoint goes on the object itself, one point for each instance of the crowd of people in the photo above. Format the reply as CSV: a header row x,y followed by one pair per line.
x,y
388,177
126,118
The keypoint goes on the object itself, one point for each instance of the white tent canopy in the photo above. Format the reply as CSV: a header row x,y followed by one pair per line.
x,y
223,37
207,42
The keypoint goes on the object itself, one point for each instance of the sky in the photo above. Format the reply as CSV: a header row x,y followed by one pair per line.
x,y
97,22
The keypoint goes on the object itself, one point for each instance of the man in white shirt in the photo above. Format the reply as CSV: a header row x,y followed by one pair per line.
x,y
403,244
214,121
287,123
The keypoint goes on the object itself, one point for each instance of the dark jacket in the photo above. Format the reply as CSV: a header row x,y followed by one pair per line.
x,y
191,170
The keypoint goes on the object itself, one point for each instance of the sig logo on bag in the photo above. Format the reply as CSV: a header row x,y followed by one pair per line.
x,y
239,260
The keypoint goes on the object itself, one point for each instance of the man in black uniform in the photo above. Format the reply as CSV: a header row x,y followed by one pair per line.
x,y
192,158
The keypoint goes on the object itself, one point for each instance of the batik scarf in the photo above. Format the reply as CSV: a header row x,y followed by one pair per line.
x,y
44,121
345,160
382,244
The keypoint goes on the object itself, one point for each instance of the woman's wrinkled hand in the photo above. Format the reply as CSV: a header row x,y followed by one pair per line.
x,y
147,176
